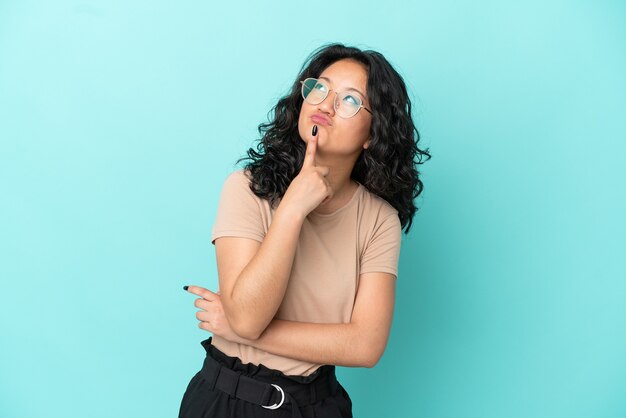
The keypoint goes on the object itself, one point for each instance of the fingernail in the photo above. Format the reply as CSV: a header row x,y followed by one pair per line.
x,y
314,131
185,287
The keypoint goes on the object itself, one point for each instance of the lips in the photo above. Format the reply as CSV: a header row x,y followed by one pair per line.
x,y
320,119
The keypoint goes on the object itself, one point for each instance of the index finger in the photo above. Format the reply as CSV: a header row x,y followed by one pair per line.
x,y
202,292
311,148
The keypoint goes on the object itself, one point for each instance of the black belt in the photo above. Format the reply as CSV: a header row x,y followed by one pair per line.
x,y
265,394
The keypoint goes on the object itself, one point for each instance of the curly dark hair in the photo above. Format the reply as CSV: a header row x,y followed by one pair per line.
x,y
387,168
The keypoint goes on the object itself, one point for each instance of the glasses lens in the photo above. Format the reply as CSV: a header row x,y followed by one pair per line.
x,y
314,91
347,104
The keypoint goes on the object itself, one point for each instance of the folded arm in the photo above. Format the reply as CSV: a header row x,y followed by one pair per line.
x,y
361,342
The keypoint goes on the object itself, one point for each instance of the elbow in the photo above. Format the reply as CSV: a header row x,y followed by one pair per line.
x,y
246,328
371,354
247,332
371,360
242,323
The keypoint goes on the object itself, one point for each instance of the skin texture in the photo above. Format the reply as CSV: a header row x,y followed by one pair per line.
x,y
253,276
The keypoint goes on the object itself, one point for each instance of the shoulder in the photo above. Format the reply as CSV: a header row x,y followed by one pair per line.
x,y
239,176
380,235
237,184
240,212
377,207
238,180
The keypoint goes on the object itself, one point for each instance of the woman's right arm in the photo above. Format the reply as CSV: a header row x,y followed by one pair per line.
x,y
253,275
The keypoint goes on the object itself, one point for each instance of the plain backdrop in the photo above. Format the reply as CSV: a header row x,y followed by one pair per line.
x,y
120,120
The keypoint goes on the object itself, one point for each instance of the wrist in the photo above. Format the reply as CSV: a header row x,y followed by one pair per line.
x,y
290,213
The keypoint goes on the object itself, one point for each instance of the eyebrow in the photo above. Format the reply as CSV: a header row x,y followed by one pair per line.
x,y
349,88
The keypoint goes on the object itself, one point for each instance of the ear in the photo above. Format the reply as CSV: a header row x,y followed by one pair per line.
x,y
367,143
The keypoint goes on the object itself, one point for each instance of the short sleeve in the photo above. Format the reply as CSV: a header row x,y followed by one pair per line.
x,y
383,250
239,211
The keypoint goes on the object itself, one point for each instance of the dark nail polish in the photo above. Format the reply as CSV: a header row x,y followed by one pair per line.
x,y
185,287
314,132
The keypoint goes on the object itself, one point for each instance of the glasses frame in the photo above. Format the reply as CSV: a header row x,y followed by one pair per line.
x,y
334,101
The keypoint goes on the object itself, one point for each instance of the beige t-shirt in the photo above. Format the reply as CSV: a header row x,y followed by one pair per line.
x,y
333,249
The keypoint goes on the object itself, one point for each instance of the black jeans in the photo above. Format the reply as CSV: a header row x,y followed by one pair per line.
x,y
201,400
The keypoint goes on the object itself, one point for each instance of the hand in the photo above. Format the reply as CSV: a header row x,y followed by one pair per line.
x,y
310,187
211,316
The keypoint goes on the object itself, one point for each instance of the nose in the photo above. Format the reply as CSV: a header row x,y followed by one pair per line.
x,y
328,104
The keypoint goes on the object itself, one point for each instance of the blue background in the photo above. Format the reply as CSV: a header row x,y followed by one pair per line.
x,y
119,121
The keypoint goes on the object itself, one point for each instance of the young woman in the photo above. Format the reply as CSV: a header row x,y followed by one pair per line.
x,y
307,240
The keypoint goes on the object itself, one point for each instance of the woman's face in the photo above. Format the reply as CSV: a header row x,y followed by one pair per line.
x,y
338,137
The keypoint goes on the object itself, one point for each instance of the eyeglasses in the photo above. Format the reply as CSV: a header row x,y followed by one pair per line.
x,y
347,104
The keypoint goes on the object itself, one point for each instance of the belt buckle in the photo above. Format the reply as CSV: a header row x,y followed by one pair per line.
x,y
276,405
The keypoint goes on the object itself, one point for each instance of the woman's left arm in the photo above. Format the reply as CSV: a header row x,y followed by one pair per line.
x,y
361,342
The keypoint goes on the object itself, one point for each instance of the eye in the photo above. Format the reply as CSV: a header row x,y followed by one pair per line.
x,y
321,87
351,100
